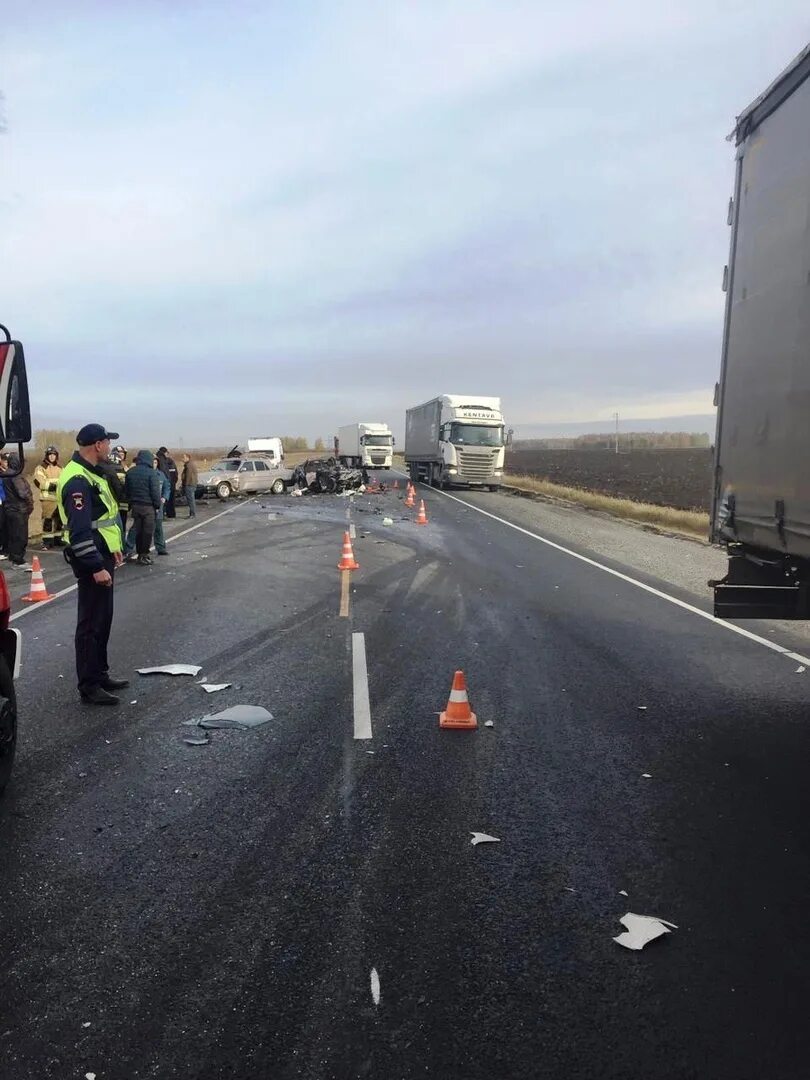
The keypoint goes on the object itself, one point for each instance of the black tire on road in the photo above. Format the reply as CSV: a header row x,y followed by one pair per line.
x,y
494,487
224,491
8,723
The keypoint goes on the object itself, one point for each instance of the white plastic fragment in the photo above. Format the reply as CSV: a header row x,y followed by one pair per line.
x,y
484,838
800,670
623,893
135,702
642,929
375,986
646,776
238,716
171,669
86,1025
211,688
642,708
489,723
89,1076
388,521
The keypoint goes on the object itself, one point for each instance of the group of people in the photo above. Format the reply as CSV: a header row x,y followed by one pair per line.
x,y
145,492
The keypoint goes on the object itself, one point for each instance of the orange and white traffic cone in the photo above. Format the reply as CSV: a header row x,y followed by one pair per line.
x,y
347,561
458,713
38,591
409,498
396,485
421,517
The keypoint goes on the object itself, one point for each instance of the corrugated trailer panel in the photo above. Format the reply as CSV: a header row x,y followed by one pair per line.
x,y
422,430
763,439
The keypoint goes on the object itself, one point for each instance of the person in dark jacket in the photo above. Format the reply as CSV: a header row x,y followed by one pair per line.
x,y
169,467
142,486
3,544
19,506
189,484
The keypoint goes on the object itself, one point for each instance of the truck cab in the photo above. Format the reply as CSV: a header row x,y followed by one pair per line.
x,y
15,421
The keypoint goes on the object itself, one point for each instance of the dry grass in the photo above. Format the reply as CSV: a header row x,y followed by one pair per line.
x,y
689,522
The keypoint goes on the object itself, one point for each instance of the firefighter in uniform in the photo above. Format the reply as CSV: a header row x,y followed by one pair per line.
x,y
46,477
95,542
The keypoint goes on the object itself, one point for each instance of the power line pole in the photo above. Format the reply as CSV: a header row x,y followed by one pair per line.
x,y
616,415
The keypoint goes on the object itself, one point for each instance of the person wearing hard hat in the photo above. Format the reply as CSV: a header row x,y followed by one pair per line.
x,y
95,542
46,478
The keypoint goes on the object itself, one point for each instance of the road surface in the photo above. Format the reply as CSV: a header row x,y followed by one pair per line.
x,y
299,900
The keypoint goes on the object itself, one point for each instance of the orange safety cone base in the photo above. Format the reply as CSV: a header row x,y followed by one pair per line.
x,y
347,560
37,592
469,724
421,517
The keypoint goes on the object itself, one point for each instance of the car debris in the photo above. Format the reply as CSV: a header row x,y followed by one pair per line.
x,y
197,740
326,476
212,688
241,717
642,929
171,669
489,723
483,838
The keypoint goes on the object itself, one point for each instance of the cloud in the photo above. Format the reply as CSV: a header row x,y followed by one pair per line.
x,y
294,213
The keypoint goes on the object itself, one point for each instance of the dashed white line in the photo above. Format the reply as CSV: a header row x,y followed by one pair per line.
x,y
362,709
772,645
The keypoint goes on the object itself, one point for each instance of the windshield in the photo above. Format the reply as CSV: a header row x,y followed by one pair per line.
x,y
476,435
377,440
231,465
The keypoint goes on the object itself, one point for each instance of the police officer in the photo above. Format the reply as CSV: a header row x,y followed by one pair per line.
x,y
95,543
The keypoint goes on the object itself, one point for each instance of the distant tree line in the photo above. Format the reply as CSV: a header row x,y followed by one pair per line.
x,y
628,440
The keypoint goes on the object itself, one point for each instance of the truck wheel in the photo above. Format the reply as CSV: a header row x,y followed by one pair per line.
x,y
8,723
224,491
278,487
494,487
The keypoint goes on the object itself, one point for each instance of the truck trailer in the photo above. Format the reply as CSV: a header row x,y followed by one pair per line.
x,y
761,496
456,439
367,445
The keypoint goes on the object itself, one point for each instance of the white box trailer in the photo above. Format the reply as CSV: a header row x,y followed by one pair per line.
x,y
456,439
365,445
269,445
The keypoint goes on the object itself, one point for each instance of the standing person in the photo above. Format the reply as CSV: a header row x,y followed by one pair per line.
x,y
119,458
19,506
165,488
190,484
142,486
46,479
90,512
169,467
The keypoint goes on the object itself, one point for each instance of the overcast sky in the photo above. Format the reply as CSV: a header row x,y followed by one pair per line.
x,y
220,219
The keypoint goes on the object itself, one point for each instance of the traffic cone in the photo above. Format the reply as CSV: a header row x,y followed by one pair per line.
x,y
347,561
409,498
421,517
396,485
458,713
38,591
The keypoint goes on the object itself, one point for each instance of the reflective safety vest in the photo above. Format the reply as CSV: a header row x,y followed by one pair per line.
x,y
46,480
110,524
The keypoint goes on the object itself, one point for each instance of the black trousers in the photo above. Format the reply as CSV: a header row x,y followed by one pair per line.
x,y
16,534
169,510
3,537
143,518
93,629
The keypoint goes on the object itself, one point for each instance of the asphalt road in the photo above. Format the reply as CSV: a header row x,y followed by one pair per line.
x,y
217,911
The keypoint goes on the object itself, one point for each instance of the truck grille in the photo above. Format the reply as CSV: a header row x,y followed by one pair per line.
x,y
378,459
476,467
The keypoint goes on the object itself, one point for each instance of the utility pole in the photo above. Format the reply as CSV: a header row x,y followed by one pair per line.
x,y
616,415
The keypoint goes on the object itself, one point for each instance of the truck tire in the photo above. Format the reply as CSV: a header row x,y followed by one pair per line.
x,y
278,487
8,723
224,490
494,487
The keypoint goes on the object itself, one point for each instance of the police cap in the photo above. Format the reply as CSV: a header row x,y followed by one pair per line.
x,y
93,433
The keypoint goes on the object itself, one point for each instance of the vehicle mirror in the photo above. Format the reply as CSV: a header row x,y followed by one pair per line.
x,y
16,409
510,436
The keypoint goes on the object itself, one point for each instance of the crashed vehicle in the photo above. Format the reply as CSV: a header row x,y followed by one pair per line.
x,y
326,476
244,475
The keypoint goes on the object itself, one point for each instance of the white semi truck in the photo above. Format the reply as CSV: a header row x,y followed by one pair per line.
x,y
456,439
369,446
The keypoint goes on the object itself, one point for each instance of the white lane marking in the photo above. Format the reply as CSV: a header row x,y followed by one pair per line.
x,y
352,531
176,536
362,709
781,649
375,986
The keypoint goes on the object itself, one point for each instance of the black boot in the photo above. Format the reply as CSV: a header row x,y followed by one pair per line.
x,y
99,696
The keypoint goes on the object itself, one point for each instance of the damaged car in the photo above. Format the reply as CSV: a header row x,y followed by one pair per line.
x,y
326,476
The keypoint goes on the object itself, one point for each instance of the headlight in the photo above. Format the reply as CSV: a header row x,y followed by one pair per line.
x,y
498,472
452,469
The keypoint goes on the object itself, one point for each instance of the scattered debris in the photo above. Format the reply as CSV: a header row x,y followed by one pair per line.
x,y
568,888
646,776
212,688
197,740
388,521
623,893
171,669
642,708
484,838
86,1025
801,670
642,929
89,1076
135,702
375,986
489,723
237,716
